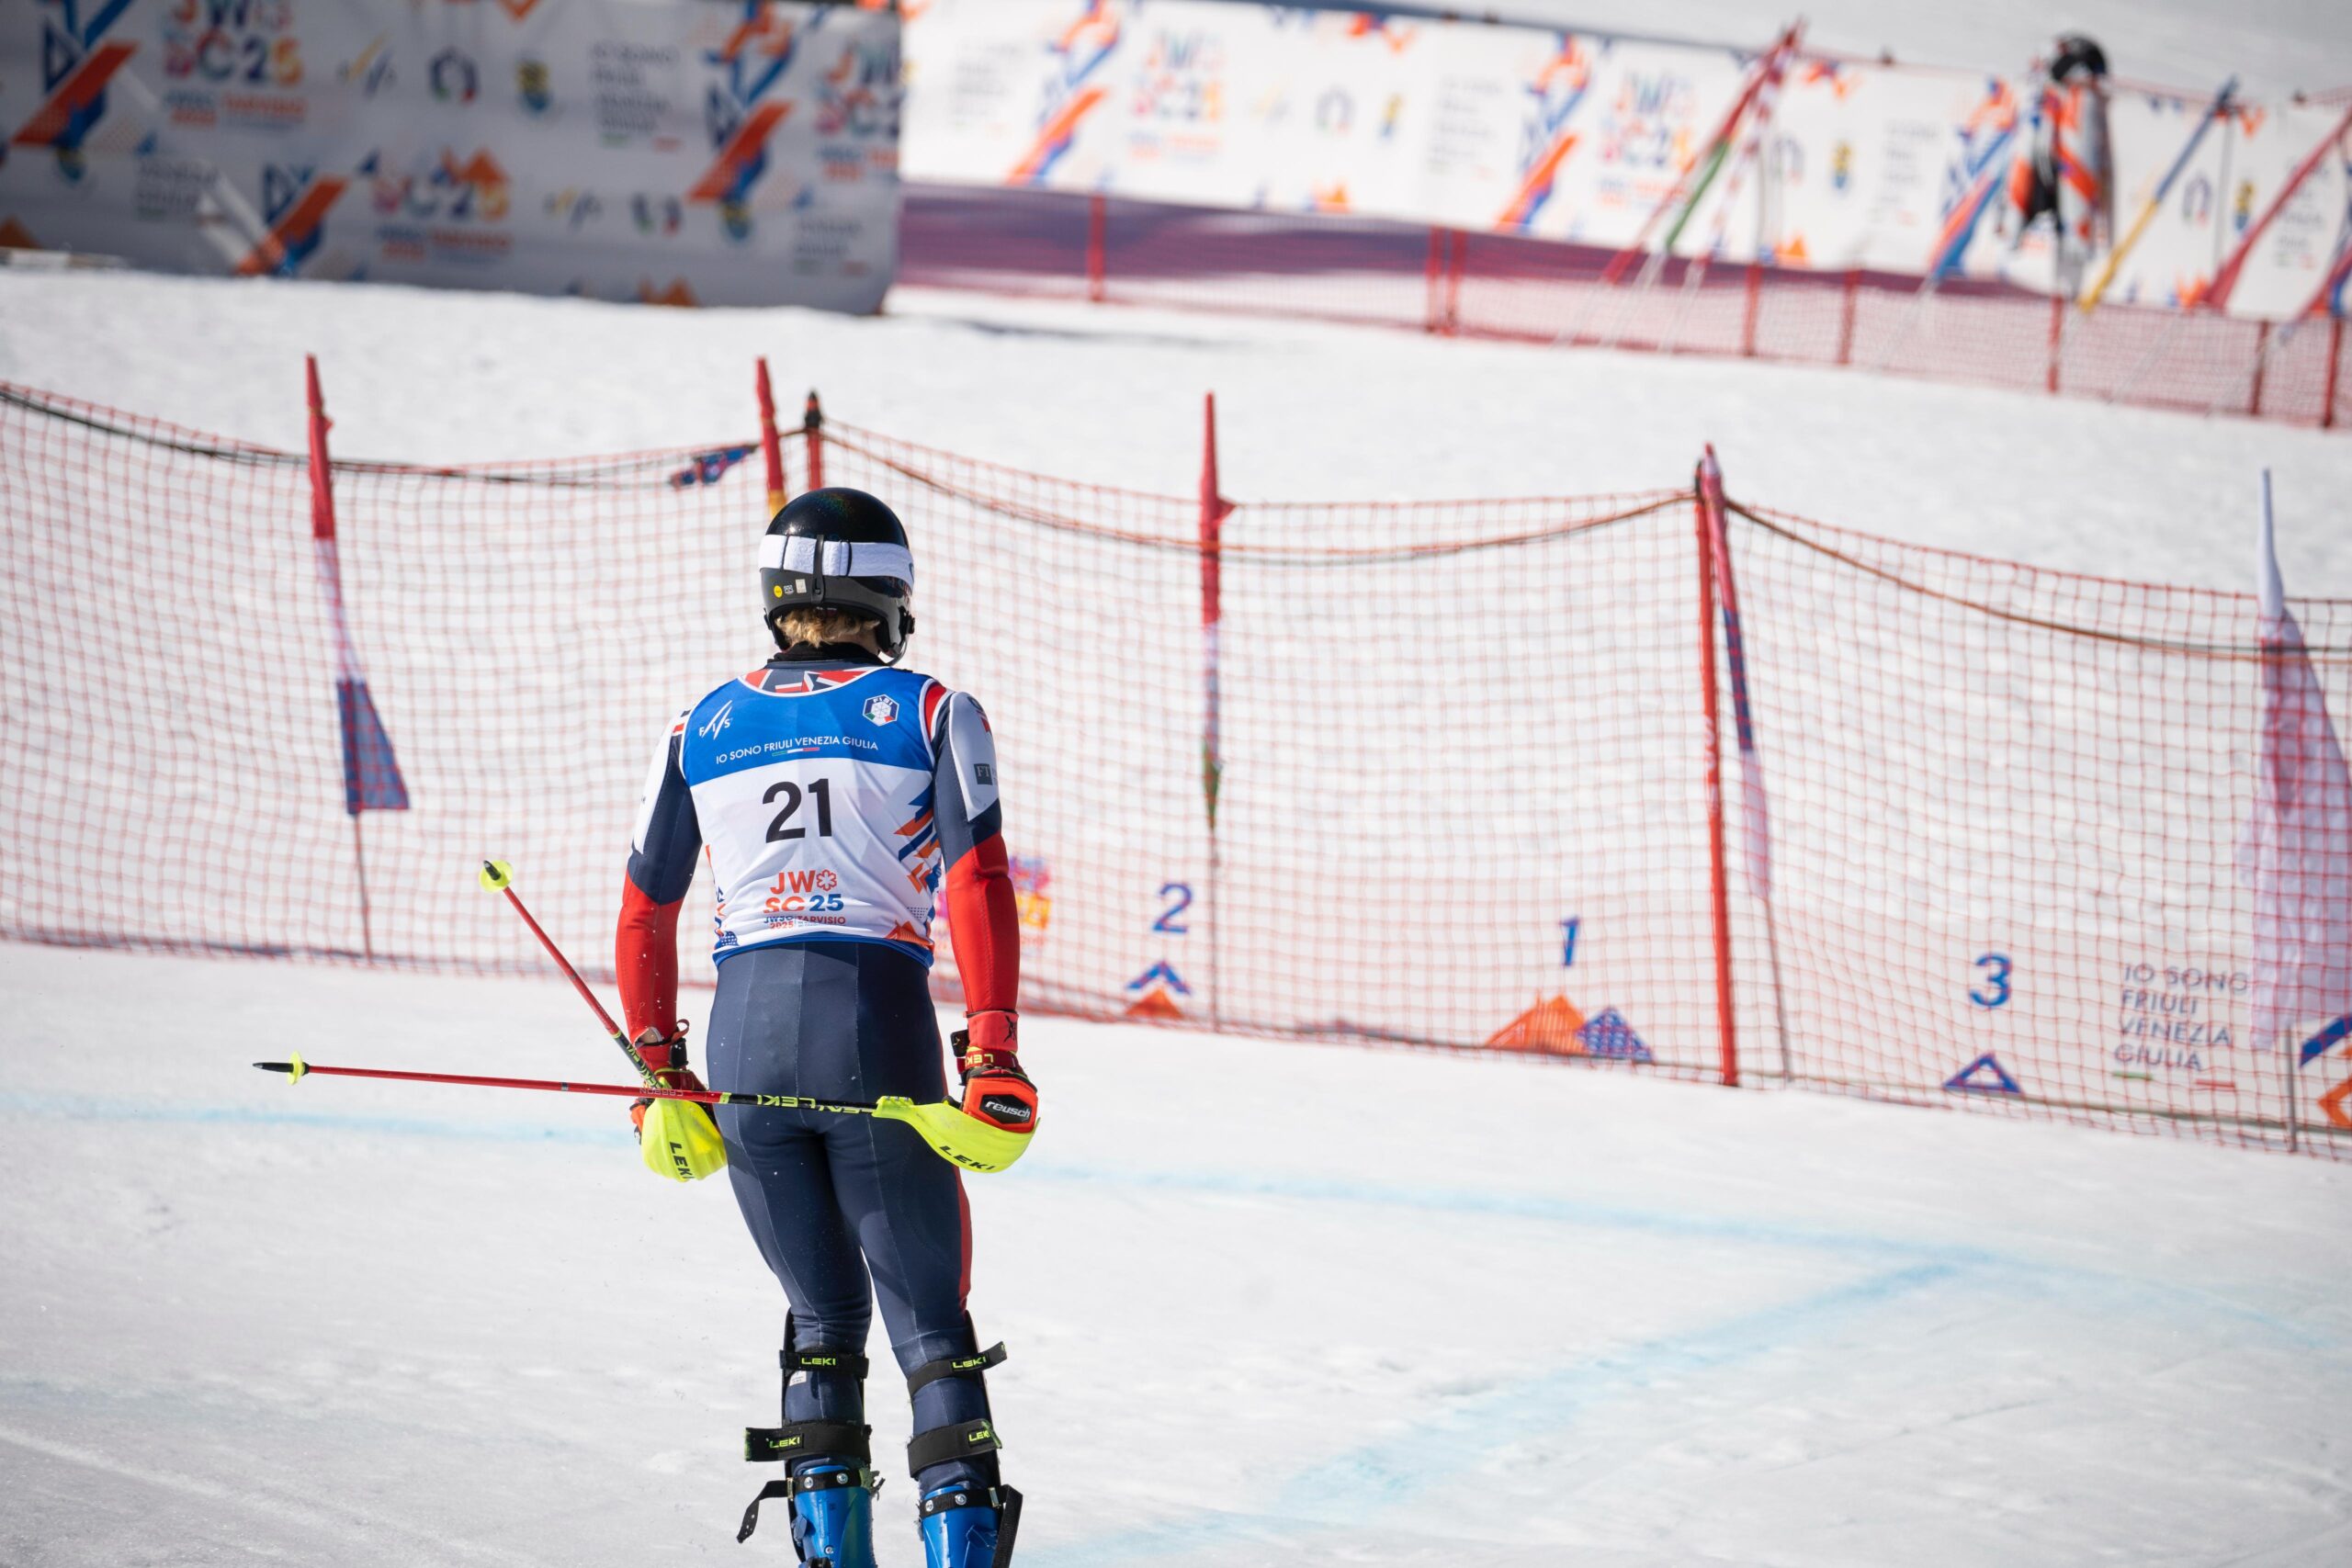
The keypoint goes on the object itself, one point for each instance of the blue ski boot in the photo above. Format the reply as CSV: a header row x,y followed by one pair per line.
x,y
967,1526
827,1450
833,1518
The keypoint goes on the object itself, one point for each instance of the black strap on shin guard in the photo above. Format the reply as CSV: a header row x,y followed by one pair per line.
x,y
851,1443
965,1439
930,1372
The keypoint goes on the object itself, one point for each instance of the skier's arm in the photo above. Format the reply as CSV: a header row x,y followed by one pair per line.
x,y
661,865
979,887
983,915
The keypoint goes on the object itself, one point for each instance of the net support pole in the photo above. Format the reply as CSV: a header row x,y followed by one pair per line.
x,y
812,435
1214,508
1454,281
1097,249
1718,897
1847,298
2335,369
771,443
2057,341
1430,311
325,554
1754,834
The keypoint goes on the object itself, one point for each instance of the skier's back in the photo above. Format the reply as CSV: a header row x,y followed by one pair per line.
x,y
837,794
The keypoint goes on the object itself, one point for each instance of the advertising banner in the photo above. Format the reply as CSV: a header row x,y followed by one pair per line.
x,y
1582,137
661,150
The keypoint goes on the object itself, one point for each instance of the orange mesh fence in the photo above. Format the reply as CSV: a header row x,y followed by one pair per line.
x,y
1430,775
1370,271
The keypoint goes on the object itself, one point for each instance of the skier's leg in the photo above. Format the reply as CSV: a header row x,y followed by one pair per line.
x,y
906,1207
774,1009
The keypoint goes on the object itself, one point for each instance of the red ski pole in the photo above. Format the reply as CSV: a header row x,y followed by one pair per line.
x,y
299,1069
952,1133
497,877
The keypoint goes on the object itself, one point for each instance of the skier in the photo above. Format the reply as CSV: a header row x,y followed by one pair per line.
x,y
835,793
2063,172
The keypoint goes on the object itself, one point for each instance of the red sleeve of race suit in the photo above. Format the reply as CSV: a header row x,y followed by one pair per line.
x,y
978,892
661,867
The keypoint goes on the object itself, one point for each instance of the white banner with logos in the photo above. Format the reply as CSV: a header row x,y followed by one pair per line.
x,y
671,151
1581,136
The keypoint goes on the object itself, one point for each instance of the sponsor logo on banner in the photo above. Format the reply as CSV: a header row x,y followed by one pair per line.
x,y
1076,85
1647,137
234,64
371,70
576,207
859,97
454,77
447,208
739,116
2173,1020
295,203
1545,140
629,81
77,62
656,214
534,88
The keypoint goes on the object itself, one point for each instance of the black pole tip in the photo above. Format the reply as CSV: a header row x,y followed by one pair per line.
x,y
275,1067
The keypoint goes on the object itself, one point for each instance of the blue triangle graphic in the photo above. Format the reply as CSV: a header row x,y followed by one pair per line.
x,y
1965,1082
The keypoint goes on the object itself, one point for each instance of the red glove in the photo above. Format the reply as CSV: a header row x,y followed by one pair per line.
x,y
666,1055
995,1089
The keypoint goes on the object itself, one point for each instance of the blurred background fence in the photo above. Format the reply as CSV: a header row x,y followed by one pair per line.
x,y
1440,774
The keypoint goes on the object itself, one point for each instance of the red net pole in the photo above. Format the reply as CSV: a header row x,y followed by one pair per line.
x,y
1213,509
1461,254
1747,309
1431,309
771,443
2261,359
1718,895
323,548
812,432
2335,368
1097,260
1846,315
2057,340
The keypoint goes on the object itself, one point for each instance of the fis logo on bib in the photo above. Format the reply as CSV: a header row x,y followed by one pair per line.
x,y
882,710
718,721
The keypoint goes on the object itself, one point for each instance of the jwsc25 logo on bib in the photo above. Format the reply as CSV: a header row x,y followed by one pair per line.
x,y
804,892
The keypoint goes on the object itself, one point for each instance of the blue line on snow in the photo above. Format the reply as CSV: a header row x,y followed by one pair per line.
x,y
2022,1271
1348,1488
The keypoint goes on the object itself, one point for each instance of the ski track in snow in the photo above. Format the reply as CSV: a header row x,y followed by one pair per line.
x,y
1334,1495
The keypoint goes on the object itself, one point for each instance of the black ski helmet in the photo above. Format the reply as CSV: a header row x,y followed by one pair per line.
x,y
841,549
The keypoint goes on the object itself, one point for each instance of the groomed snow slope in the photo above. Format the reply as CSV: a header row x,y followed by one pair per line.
x,y
1308,412
1267,1305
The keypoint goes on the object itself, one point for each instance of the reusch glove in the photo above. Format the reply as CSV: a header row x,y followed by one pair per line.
x,y
995,1089
676,1138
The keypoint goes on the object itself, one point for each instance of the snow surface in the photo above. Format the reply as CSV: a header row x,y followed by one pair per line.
x,y
1267,1305
1306,410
